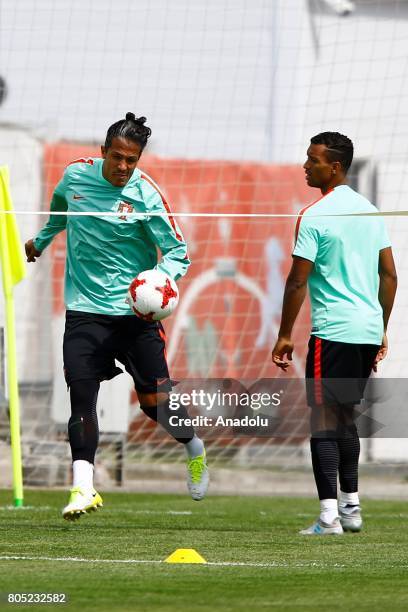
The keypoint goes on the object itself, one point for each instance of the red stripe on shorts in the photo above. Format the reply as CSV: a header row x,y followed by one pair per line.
x,y
318,370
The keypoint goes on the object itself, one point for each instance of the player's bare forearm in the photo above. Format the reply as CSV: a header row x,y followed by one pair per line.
x,y
295,292
294,296
386,295
388,283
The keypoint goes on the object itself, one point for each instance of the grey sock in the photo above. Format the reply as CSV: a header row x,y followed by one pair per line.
x,y
194,447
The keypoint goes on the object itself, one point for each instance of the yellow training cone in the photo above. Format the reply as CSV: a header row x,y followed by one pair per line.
x,y
185,555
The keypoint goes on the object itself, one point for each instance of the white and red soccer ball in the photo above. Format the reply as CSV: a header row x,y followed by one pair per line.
x,y
153,295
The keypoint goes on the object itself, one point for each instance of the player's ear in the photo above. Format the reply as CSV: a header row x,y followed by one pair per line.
x,y
103,152
336,167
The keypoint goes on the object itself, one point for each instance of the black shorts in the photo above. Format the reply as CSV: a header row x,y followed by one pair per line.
x,y
337,372
92,342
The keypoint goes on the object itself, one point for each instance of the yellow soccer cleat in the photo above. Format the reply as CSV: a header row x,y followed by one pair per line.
x,y
197,477
81,502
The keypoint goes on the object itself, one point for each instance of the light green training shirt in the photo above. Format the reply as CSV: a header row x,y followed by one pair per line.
x,y
344,282
105,253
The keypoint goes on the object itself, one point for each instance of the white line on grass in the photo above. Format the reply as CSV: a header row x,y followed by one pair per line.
x,y
158,562
73,559
131,511
125,510
21,508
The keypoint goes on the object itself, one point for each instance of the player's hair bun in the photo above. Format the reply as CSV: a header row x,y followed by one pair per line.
x,y
139,120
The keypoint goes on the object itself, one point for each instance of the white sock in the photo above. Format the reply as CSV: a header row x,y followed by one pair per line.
x,y
195,447
328,510
82,474
349,498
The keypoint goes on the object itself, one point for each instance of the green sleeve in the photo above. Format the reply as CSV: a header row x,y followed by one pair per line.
x,y
55,223
307,240
165,233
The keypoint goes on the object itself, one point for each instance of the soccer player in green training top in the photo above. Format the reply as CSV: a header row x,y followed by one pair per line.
x,y
348,263
104,254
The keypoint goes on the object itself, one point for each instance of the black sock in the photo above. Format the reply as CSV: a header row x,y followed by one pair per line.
x,y
162,414
83,429
325,461
349,453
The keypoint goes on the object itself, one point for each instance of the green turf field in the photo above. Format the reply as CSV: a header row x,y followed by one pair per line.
x,y
366,571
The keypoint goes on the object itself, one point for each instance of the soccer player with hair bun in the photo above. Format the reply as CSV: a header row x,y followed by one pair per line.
x,y
348,264
104,255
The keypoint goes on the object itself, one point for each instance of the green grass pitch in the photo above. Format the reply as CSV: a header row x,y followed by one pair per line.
x,y
279,569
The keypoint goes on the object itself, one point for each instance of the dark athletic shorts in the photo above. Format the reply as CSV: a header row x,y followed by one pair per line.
x,y
92,342
337,372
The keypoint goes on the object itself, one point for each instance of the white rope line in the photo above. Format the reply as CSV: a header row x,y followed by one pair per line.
x,y
144,215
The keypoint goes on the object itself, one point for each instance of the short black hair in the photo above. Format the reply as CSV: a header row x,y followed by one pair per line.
x,y
129,128
339,147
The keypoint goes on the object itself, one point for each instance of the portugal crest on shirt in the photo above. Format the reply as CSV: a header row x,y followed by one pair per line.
x,y
124,207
